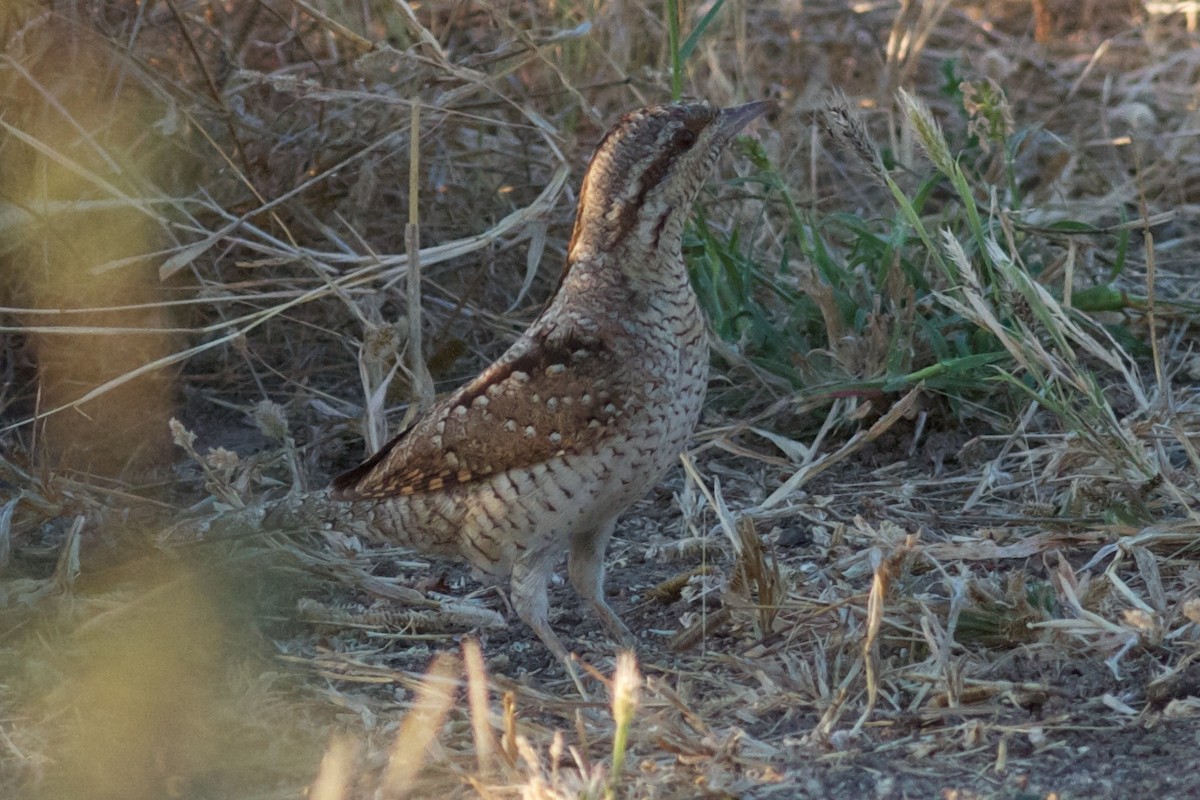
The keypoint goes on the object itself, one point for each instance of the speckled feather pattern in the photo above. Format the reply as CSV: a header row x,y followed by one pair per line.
x,y
583,414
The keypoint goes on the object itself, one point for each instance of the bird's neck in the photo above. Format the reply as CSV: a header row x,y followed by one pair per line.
x,y
628,271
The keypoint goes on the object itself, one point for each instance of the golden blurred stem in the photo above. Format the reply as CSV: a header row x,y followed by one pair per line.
x,y
477,697
422,380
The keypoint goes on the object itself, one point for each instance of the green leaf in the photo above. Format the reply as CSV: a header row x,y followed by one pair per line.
x,y
1071,226
1100,298
1122,249
694,37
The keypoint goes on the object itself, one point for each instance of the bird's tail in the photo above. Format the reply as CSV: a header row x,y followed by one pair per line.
x,y
305,512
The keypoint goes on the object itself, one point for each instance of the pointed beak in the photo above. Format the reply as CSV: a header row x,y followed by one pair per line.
x,y
735,118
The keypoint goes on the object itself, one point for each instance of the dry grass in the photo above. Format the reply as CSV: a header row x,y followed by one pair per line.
x,y
856,586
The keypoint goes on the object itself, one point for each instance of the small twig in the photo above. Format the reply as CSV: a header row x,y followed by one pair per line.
x,y
422,380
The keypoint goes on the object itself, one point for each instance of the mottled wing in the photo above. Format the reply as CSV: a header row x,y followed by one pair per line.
x,y
551,395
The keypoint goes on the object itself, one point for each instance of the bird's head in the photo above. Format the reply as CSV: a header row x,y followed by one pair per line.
x,y
646,172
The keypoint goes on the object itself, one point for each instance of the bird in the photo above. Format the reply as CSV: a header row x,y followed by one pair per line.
x,y
584,413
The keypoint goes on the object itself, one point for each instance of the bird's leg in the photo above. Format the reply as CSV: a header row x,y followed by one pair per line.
x,y
585,565
530,582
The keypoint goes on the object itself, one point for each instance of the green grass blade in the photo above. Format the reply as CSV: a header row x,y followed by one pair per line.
x,y
694,37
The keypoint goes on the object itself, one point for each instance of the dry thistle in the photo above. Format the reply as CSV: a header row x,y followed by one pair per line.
x,y
381,343
183,438
272,420
218,465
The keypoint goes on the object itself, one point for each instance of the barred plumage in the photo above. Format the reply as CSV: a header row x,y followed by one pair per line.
x,y
581,416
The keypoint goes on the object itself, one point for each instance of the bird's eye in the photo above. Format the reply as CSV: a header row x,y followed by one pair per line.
x,y
683,139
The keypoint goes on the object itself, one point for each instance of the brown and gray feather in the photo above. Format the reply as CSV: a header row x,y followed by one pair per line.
x,y
581,416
